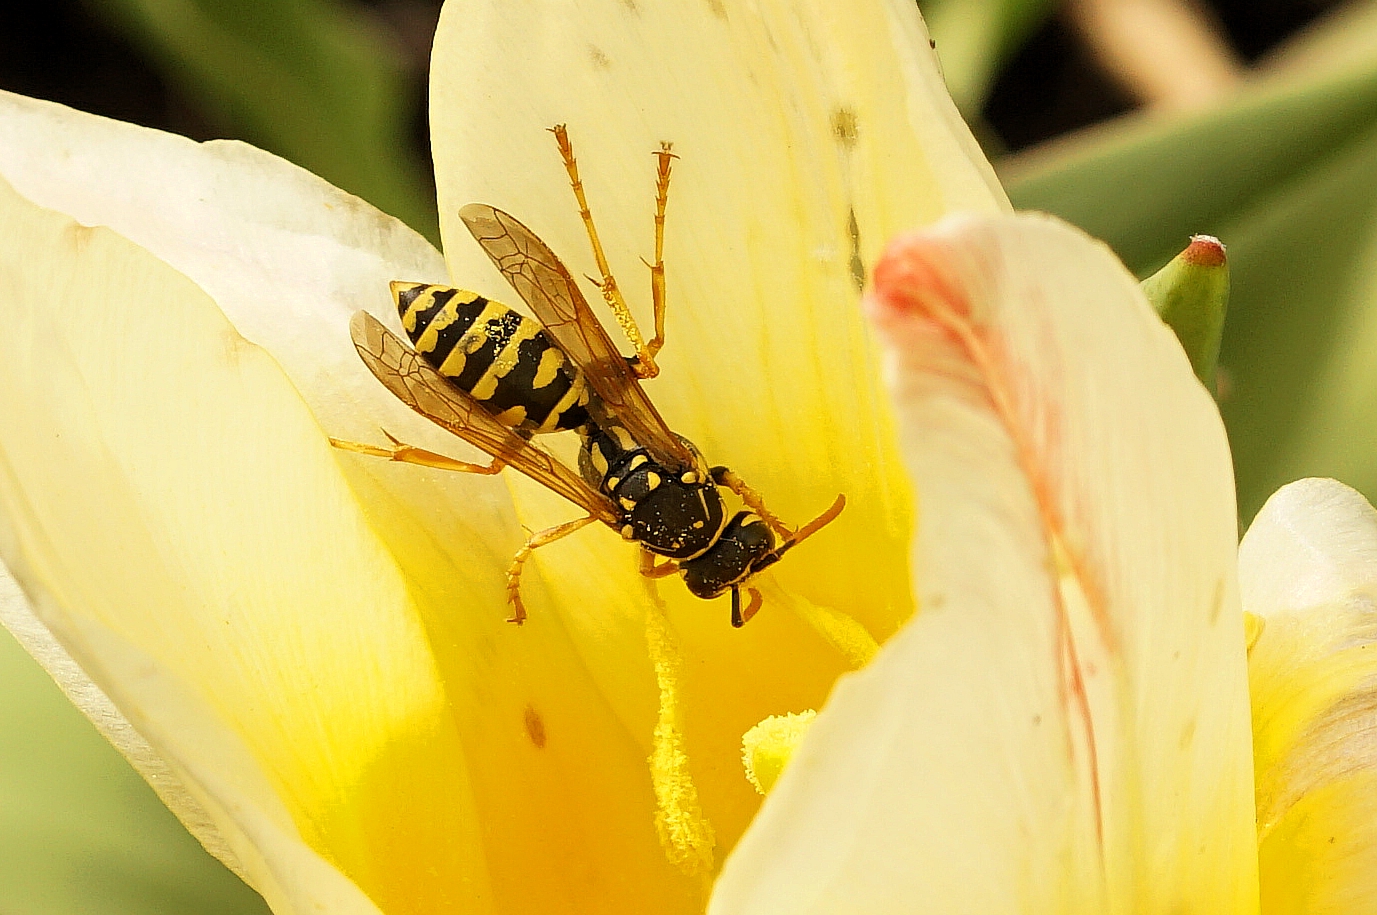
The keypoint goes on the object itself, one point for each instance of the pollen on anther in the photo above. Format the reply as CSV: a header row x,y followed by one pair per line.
x,y
767,748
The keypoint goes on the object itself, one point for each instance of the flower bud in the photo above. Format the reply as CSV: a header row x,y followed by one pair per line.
x,y
1191,294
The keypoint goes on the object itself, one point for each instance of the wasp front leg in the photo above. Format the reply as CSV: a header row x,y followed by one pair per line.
x,y
651,569
410,454
742,617
535,542
725,476
644,364
657,270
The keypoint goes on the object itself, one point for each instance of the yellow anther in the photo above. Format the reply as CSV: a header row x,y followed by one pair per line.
x,y
685,833
767,748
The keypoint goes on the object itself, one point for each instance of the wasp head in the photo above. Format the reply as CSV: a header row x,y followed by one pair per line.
x,y
737,554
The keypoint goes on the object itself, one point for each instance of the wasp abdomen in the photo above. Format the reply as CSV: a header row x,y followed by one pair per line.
x,y
502,358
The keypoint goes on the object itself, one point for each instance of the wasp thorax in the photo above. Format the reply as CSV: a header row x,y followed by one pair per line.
x,y
667,515
745,539
673,519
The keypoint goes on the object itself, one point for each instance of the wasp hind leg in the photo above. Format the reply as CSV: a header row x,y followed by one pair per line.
x,y
644,363
410,454
725,476
533,543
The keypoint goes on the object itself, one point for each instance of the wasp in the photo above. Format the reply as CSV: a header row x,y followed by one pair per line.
x,y
497,379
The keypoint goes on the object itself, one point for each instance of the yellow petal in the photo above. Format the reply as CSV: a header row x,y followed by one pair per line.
x,y
166,497
199,768
1063,727
806,135
288,258
1308,569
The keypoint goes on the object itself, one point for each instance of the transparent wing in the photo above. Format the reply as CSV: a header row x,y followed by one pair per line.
x,y
403,372
546,286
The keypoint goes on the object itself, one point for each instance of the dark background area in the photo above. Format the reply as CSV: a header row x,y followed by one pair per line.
x,y
64,51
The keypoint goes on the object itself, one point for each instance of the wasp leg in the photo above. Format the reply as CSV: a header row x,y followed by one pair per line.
x,y
742,617
725,476
651,569
410,454
657,269
644,365
535,542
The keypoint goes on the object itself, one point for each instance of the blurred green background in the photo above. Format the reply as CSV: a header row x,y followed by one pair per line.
x,y
1254,121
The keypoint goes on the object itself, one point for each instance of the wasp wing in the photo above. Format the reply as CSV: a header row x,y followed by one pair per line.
x,y
403,372
545,285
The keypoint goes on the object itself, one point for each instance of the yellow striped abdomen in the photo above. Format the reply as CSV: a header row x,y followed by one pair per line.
x,y
502,358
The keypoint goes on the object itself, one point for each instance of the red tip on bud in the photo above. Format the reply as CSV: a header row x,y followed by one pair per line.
x,y
1204,251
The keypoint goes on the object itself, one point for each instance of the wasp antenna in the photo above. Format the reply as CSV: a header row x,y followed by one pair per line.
x,y
821,521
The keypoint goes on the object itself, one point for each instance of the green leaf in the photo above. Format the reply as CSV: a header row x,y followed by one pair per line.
x,y
80,831
315,81
975,37
1285,177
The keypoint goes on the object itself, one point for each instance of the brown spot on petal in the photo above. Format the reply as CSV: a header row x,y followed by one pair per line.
x,y
1188,734
535,727
845,126
854,264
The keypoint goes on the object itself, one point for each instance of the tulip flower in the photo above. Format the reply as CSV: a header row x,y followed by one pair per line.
x,y
305,651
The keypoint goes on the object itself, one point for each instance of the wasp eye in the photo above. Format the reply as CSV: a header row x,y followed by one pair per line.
x,y
744,540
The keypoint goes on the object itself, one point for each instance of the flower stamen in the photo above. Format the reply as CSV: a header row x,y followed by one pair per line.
x,y
767,748
684,831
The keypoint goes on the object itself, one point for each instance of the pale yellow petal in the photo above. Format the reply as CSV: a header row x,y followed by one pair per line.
x,y
1308,569
161,481
288,258
1063,727
199,768
807,134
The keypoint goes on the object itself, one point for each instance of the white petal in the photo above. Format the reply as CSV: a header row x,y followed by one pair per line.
x,y
1063,727
1308,568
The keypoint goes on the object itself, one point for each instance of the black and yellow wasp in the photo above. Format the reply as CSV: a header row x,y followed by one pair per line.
x,y
496,379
